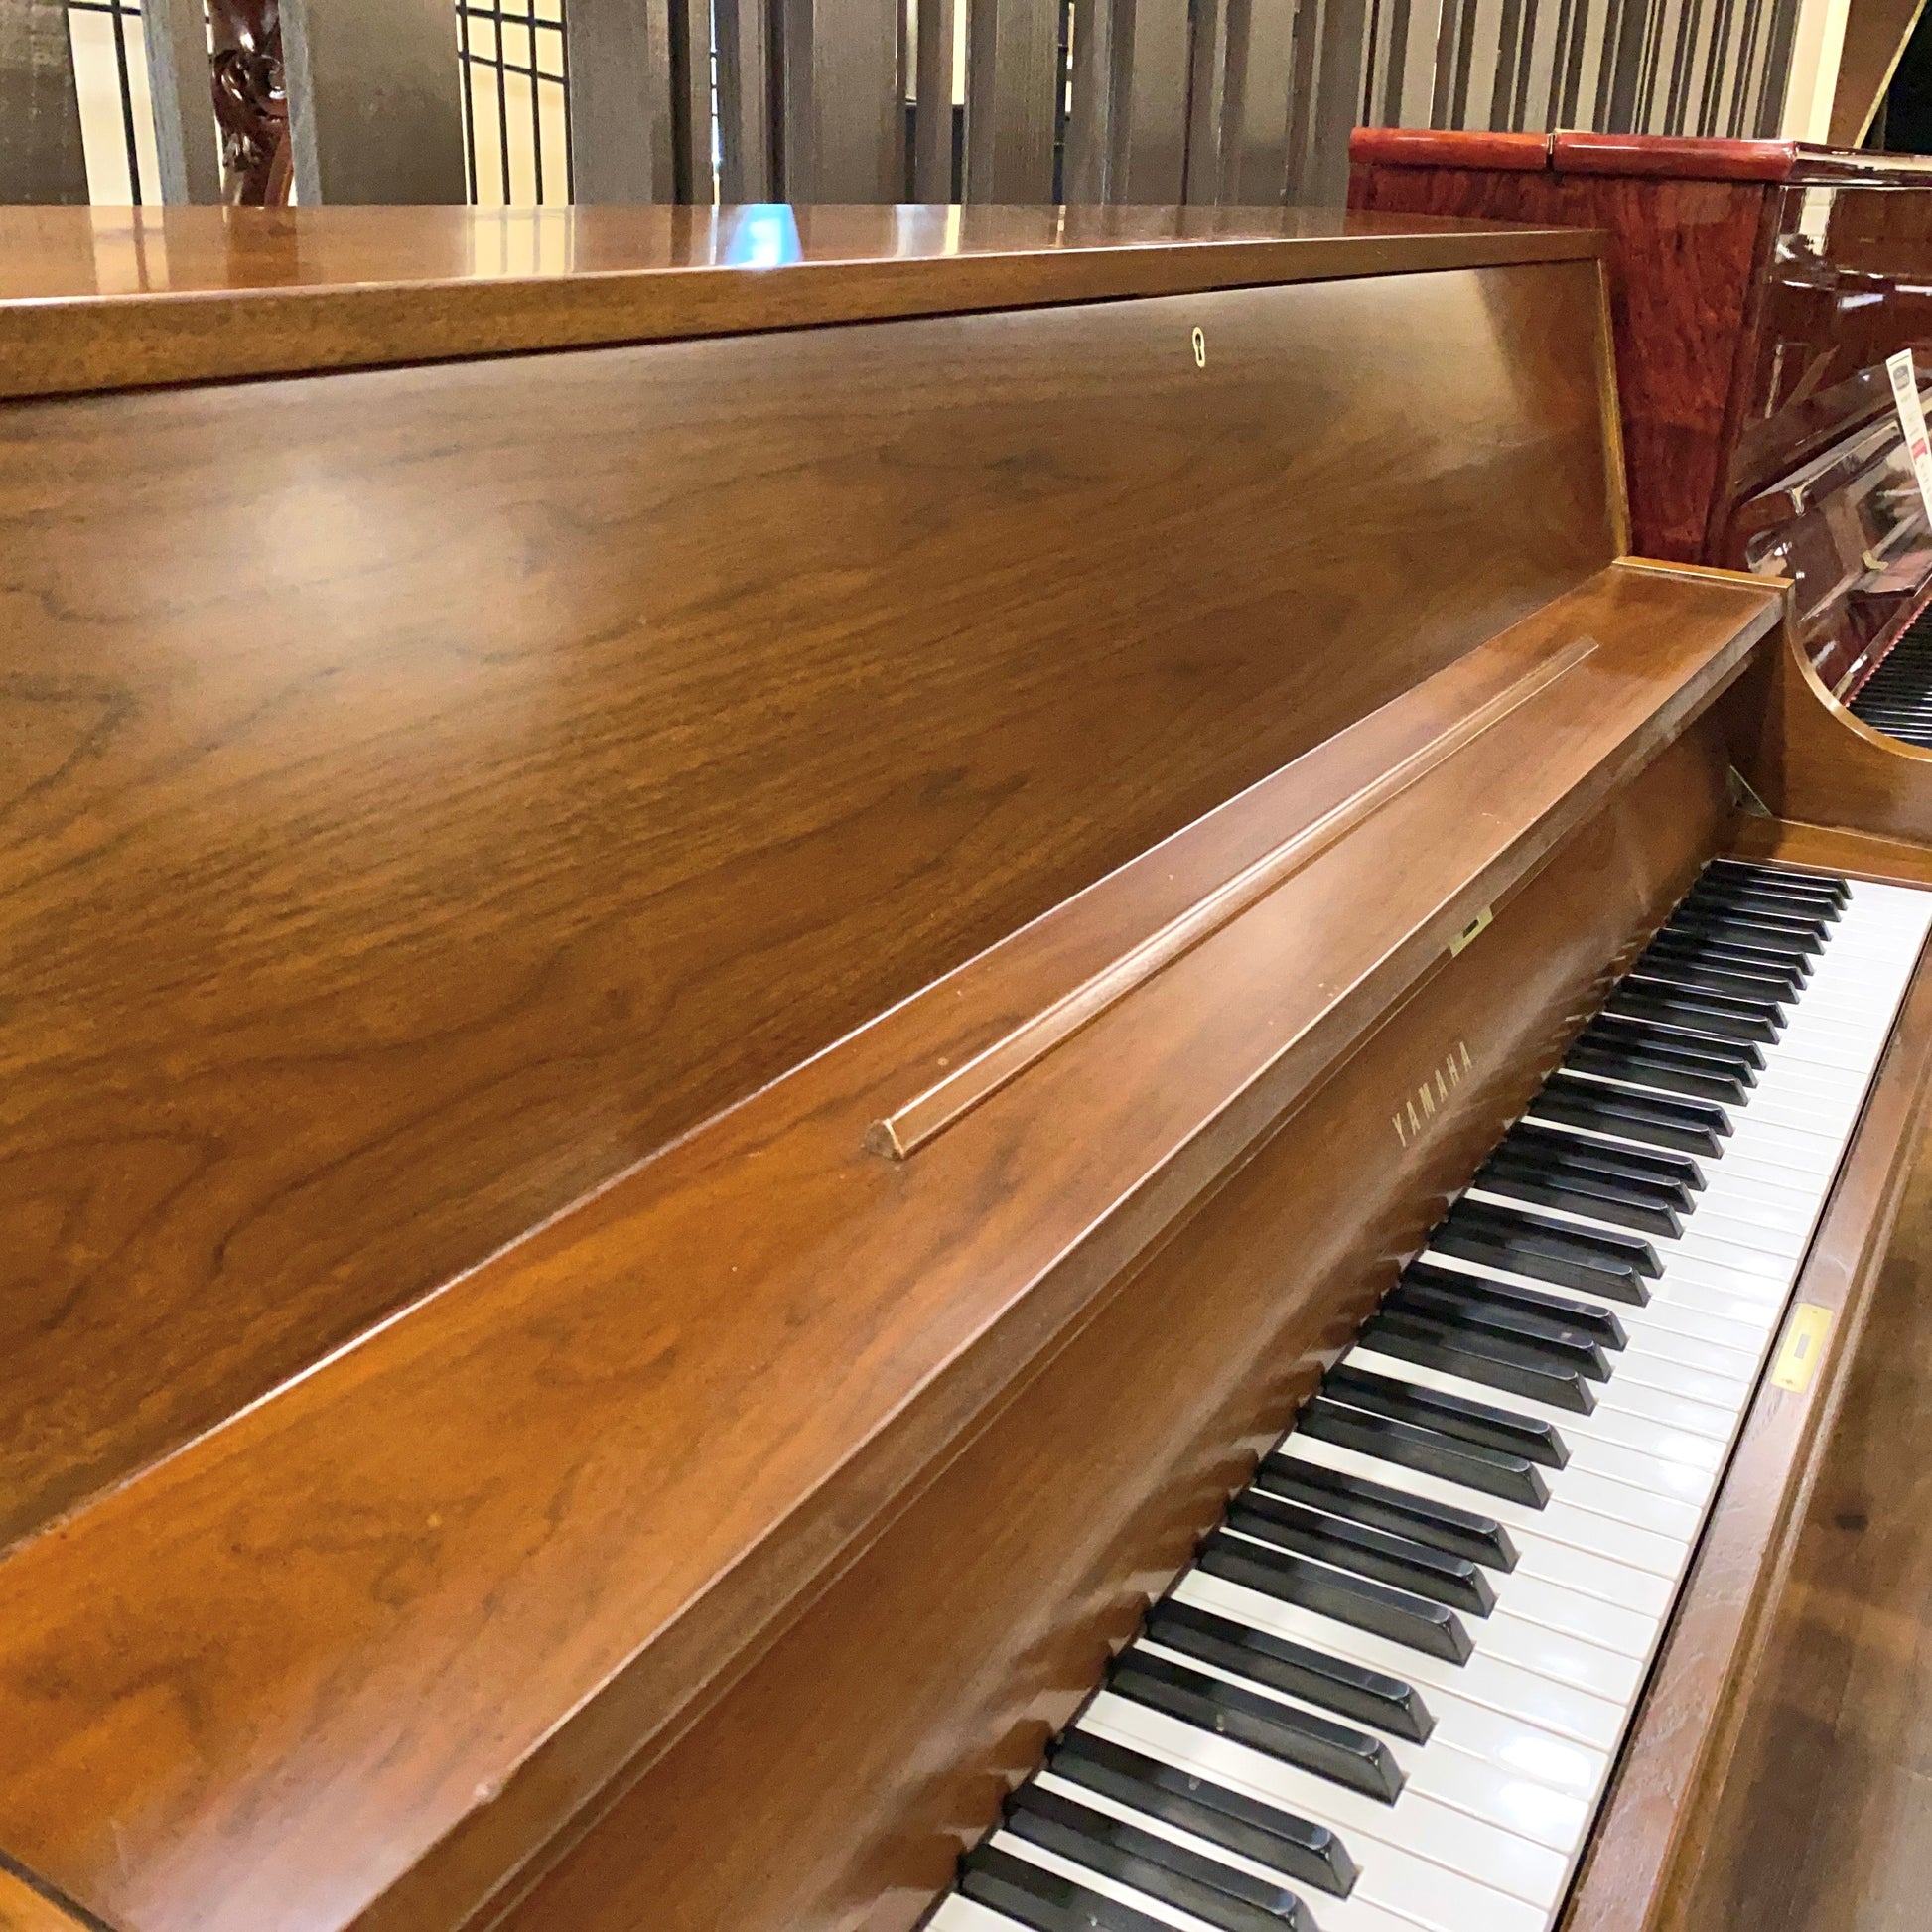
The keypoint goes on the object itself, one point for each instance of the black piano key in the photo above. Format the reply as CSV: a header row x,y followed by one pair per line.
x,y
1683,968
1044,1899
1367,1696
1740,1057
1584,1161
1738,900
1698,1013
1601,1325
1414,1567
1651,1163
1745,903
1750,893
1324,1749
1489,1471
1548,1251
1741,930
1440,1525
1131,1855
1601,1198
1741,947
1650,1067
1748,1004
1552,1347
1633,1116
1510,1367
1453,1415
1788,980
1433,1628
1231,1819
1783,878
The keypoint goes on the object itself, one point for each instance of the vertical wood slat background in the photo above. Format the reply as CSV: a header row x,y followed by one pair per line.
x,y
1214,101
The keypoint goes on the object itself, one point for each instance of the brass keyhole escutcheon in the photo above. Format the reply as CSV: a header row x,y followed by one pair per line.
x,y
1200,349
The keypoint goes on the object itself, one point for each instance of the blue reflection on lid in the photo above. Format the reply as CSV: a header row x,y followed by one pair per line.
x,y
764,234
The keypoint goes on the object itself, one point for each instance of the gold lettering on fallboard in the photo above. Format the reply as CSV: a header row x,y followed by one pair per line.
x,y
1432,1093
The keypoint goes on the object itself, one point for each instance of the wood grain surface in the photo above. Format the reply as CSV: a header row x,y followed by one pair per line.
x,y
607,733
935,1668
1812,760
468,1570
1843,1691
1639,1871
112,298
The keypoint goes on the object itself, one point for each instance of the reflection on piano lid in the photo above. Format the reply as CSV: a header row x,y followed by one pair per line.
x,y
1760,287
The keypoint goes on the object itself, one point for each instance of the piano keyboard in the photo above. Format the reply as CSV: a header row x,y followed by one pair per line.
x,y
1898,697
1389,1692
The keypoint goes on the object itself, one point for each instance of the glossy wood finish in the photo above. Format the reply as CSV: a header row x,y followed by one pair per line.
x,y
1682,257
1810,760
308,289
1033,1551
41,156
631,1496
1652,1829
1758,287
486,890
375,113
1842,1848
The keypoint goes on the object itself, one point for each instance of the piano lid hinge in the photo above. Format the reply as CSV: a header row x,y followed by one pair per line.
x,y
1743,798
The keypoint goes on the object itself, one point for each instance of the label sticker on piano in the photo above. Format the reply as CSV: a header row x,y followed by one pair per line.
x,y
1911,419
1804,1342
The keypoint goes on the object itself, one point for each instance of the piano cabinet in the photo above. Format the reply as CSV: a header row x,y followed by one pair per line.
x,y
1022,857
1758,287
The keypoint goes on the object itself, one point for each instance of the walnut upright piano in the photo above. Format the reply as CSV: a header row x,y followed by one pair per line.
x,y
739,944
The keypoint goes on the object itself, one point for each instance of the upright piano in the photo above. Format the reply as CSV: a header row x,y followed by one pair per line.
x,y
891,1067
1758,287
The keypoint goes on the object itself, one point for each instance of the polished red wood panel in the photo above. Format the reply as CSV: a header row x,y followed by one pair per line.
x,y
601,734
466,1572
1426,147
1677,156
111,298
1682,257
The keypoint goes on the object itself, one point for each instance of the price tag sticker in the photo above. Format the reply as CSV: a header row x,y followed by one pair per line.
x,y
1911,419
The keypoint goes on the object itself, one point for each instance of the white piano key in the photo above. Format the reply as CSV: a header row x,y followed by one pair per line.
x,y
1465,1780
1415,1829
1720,1378
1102,1882
1330,1913
1630,1633
1592,1575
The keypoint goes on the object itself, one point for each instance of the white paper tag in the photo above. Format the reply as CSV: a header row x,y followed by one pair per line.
x,y
1911,419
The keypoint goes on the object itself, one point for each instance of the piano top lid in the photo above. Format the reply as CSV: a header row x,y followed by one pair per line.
x,y
109,298
1799,163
